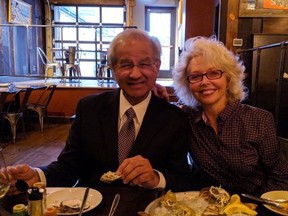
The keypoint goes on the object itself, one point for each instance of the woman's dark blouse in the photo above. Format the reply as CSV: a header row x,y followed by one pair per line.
x,y
244,156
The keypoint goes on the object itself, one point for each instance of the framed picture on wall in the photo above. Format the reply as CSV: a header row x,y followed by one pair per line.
x,y
19,12
263,8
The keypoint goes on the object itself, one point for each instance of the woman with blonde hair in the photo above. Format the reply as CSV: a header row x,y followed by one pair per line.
x,y
233,144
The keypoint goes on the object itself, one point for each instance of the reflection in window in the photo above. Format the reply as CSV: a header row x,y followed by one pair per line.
x,y
89,14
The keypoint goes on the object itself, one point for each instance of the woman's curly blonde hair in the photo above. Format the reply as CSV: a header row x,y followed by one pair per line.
x,y
219,57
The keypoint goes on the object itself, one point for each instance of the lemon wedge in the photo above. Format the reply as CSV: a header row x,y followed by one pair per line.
x,y
235,199
239,208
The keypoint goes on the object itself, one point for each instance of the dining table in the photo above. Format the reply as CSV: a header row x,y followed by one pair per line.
x,y
132,200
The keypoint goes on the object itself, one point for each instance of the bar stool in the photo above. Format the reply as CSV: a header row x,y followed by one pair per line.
x,y
71,68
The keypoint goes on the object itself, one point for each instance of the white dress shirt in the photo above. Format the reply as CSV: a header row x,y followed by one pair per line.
x,y
140,110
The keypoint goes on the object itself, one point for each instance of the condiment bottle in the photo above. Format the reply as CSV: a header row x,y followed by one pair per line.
x,y
50,211
19,210
35,202
41,185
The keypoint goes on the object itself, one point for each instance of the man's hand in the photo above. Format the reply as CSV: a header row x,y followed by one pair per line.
x,y
138,171
21,172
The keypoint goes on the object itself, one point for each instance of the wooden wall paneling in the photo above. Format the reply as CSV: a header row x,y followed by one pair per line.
x,y
48,36
129,12
85,2
64,101
275,25
232,23
199,18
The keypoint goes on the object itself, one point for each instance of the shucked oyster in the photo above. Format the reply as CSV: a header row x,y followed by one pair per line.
x,y
221,195
216,195
109,177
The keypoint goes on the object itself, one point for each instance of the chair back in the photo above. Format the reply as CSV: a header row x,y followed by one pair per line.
x,y
43,56
46,96
19,102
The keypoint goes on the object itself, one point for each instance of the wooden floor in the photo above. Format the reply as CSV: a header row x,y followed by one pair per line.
x,y
37,148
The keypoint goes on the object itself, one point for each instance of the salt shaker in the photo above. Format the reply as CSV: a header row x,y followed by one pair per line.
x,y
35,201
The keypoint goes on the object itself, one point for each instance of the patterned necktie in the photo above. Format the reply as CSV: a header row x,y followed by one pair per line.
x,y
126,135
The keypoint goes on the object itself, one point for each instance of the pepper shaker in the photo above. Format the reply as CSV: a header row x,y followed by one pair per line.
x,y
41,185
35,201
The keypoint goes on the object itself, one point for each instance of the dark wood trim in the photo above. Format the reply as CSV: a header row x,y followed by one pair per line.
x,y
86,2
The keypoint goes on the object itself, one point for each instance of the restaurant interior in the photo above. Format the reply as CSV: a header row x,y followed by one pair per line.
x,y
57,49
36,49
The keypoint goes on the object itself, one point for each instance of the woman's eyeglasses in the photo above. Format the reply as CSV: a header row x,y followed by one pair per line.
x,y
211,75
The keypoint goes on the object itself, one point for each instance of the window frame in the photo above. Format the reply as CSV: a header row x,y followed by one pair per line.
x,y
100,45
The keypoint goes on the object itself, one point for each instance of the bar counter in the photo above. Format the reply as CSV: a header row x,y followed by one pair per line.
x,y
67,94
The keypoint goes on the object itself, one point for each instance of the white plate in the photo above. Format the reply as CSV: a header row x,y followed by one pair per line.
x,y
189,195
94,197
274,195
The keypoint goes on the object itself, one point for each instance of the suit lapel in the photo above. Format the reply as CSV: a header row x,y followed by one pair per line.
x,y
150,126
109,121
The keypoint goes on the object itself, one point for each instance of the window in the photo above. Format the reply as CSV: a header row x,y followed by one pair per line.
x,y
160,22
89,29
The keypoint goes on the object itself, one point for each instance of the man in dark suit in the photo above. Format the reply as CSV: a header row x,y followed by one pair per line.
x,y
158,157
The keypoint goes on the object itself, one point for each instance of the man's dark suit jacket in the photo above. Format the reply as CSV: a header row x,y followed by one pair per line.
x,y
92,145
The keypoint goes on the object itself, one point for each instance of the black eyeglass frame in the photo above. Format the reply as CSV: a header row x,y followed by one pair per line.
x,y
205,74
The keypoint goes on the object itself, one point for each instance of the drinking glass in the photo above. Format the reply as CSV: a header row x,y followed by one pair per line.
x,y
4,177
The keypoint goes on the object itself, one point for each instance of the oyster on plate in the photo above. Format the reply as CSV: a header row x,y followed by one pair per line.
x,y
70,205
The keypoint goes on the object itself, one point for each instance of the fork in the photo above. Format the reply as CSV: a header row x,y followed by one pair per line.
x,y
279,204
84,201
114,205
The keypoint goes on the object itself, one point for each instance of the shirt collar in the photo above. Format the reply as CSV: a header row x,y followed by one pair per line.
x,y
224,115
139,108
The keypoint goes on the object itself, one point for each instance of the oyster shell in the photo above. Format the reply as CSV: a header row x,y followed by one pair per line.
x,y
109,177
70,206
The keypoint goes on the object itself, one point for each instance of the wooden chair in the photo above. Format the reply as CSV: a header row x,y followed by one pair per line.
x,y
40,107
15,109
